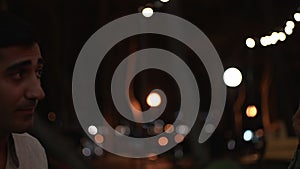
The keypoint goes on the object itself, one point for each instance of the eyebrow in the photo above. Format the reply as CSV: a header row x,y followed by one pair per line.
x,y
23,64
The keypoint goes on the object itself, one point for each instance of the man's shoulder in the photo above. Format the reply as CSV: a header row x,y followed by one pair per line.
x,y
27,142
29,151
25,138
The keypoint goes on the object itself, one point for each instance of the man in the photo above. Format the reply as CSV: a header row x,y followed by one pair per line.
x,y
295,164
21,65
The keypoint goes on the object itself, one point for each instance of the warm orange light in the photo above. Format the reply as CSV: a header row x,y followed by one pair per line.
x,y
153,99
178,138
251,111
163,141
169,128
99,138
51,116
152,157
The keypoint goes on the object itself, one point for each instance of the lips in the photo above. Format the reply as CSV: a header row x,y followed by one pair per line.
x,y
28,109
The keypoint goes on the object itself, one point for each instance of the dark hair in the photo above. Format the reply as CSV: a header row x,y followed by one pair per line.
x,y
15,31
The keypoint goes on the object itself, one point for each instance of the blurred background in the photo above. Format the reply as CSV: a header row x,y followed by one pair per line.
x,y
258,38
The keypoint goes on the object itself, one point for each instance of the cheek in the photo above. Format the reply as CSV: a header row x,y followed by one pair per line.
x,y
9,97
9,101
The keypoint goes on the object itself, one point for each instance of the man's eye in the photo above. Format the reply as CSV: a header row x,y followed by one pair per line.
x,y
18,75
39,73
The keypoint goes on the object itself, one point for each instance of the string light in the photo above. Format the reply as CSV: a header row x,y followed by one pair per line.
x,y
147,12
274,37
281,36
148,9
250,42
232,77
297,17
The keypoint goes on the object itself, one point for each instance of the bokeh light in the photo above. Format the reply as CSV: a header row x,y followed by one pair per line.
x,y
153,99
122,130
248,135
179,138
290,24
250,42
163,141
182,129
251,111
297,17
169,128
51,116
232,77
147,12
99,138
98,151
86,152
281,36
288,30
92,130
231,144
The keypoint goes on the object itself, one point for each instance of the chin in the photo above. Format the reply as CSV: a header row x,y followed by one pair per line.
x,y
23,127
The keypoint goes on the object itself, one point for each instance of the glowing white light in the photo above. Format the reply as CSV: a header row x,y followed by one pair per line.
x,y
147,12
274,38
290,24
232,77
288,30
269,40
264,41
297,17
182,129
248,135
164,1
86,152
153,99
250,42
281,36
92,130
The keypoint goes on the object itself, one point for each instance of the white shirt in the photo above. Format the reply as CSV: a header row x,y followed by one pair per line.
x,y
25,152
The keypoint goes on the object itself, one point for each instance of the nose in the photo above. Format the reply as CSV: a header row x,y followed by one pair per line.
x,y
34,90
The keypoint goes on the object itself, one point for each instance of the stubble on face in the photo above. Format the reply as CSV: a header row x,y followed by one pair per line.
x,y
19,87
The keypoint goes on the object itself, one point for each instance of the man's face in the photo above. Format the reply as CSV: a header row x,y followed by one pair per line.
x,y
20,87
